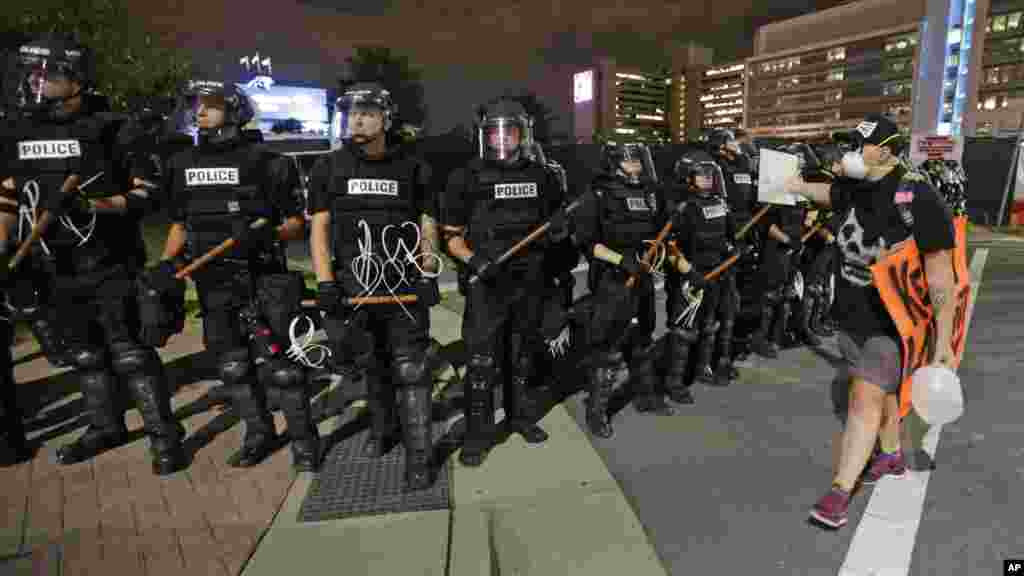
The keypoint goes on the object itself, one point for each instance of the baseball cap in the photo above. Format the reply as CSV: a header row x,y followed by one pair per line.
x,y
876,130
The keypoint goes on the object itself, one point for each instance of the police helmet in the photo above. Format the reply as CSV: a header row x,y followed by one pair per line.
x,y
615,157
50,57
361,97
698,171
499,123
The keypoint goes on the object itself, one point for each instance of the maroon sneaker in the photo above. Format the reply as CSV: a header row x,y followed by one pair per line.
x,y
883,464
831,509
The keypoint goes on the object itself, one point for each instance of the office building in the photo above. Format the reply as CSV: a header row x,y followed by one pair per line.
x,y
722,96
1001,83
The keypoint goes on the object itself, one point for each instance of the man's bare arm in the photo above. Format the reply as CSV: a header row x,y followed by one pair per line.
x,y
174,246
320,246
777,233
292,229
8,212
429,245
938,269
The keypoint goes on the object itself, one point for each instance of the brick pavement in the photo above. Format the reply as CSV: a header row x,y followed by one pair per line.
x,y
112,515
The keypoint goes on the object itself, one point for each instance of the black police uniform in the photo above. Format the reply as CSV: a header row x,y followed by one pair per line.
x,y
500,205
776,277
704,235
816,265
364,196
13,445
93,276
215,188
621,217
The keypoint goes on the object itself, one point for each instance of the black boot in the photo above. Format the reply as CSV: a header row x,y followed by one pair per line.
x,y
305,439
602,381
106,422
781,323
250,403
703,372
724,374
380,396
479,411
417,436
14,448
760,342
819,324
806,313
677,354
50,343
516,414
153,397
646,398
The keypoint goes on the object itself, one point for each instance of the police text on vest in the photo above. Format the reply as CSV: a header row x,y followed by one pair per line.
x,y
211,176
514,191
373,186
46,149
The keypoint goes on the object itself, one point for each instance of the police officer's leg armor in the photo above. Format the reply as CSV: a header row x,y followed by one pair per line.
x,y
106,420
250,401
50,344
293,386
705,348
520,362
141,371
413,378
479,410
380,400
647,398
726,372
811,295
605,374
783,313
13,445
677,354
761,342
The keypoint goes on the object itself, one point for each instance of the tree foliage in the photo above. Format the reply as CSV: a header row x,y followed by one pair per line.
x,y
394,72
133,65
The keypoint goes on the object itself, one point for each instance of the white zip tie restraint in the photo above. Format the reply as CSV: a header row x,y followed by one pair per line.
x,y
659,259
689,314
369,269
302,347
27,215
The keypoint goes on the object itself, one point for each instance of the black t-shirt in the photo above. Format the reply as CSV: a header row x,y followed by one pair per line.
x,y
321,190
868,221
281,185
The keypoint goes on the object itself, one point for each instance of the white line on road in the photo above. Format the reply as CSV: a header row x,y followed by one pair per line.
x,y
884,541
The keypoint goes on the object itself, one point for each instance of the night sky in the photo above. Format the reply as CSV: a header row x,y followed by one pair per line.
x,y
469,51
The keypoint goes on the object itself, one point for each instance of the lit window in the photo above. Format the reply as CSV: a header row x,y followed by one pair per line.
x,y
992,76
988,28
835,75
954,60
1013,21
990,103
954,36
837,54
999,23
1004,102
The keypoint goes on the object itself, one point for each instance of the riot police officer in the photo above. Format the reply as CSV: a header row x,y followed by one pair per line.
x,y
93,248
704,235
499,198
216,191
618,215
373,212
13,445
737,171
784,227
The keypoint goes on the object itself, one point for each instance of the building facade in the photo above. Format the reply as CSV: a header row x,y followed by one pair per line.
x,y
722,99
1001,82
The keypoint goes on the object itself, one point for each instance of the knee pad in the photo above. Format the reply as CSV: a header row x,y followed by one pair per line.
x,y
130,358
408,370
90,359
688,336
285,375
481,363
233,366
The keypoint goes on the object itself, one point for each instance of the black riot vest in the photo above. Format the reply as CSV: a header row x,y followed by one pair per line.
x,y
507,204
711,233
222,184
739,185
369,196
791,220
628,214
42,155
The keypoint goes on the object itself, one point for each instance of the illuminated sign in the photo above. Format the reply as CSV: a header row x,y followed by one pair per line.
x,y
583,86
261,82
277,104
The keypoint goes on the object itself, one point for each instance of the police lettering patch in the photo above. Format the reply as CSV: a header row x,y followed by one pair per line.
x,y
513,191
373,186
715,211
741,178
637,205
46,149
211,176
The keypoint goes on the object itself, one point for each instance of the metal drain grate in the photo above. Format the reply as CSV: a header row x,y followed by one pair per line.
x,y
349,484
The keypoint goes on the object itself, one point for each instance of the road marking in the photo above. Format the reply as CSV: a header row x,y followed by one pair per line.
x,y
885,538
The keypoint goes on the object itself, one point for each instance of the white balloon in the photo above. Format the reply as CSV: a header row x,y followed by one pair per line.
x,y
937,395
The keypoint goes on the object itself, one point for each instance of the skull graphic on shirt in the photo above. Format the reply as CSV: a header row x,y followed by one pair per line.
x,y
858,257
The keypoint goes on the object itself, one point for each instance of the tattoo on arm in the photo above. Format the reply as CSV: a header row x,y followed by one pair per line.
x,y
429,242
939,296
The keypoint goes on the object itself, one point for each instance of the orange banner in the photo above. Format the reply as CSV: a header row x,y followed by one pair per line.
x,y
901,283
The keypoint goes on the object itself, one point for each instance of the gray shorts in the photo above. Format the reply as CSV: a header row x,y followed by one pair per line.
x,y
878,361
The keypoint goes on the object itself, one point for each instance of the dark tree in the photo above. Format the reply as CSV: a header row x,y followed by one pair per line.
x,y
395,73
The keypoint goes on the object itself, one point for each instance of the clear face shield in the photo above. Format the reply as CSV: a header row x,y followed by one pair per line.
x,y
501,139
359,119
636,165
42,80
707,179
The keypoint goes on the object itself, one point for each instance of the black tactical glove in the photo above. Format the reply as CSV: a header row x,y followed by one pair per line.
x,y
795,245
161,278
427,292
243,233
482,267
630,264
331,297
695,279
58,204
161,300
559,228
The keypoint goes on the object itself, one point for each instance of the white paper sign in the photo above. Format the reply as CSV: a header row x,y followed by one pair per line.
x,y
775,169
930,146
